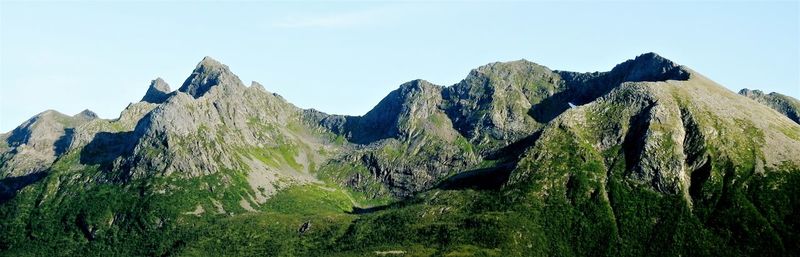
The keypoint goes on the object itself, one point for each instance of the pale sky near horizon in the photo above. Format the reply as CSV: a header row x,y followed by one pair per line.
x,y
344,57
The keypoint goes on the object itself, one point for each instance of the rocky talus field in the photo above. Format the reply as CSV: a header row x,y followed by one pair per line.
x,y
650,158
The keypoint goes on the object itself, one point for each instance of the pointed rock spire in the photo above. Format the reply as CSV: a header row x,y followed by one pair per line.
x,y
158,92
208,74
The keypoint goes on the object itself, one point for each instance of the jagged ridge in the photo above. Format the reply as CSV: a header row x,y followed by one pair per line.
x,y
784,104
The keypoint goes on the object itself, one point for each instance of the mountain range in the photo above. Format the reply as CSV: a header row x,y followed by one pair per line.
x,y
648,159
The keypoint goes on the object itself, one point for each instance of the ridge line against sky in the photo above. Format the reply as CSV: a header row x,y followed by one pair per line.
x,y
344,57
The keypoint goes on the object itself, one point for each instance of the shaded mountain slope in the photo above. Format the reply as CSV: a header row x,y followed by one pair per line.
x,y
35,144
430,132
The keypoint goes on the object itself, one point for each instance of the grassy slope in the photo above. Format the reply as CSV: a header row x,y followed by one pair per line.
x,y
159,224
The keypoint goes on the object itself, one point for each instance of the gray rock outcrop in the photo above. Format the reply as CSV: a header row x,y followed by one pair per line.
x,y
786,105
209,74
34,145
157,92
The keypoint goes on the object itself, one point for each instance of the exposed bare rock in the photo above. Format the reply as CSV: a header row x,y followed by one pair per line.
x,y
208,74
214,125
492,106
408,142
34,145
157,92
670,134
784,104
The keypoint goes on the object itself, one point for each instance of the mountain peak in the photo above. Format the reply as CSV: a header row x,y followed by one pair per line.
x,y
49,112
86,114
210,62
650,55
650,67
206,75
160,85
157,92
517,65
417,83
651,58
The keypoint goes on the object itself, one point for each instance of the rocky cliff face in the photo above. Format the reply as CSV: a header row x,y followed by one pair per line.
x,y
396,142
33,146
214,125
209,74
667,132
497,106
157,93
493,106
700,151
784,104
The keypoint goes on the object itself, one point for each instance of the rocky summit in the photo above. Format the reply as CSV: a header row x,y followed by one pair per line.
x,y
648,159
157,93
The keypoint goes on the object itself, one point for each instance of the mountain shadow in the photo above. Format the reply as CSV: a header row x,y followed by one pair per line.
x,y
491,178
106,147
61,145
11,185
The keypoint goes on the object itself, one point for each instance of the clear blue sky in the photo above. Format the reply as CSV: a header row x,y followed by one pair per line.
x,y
344,57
